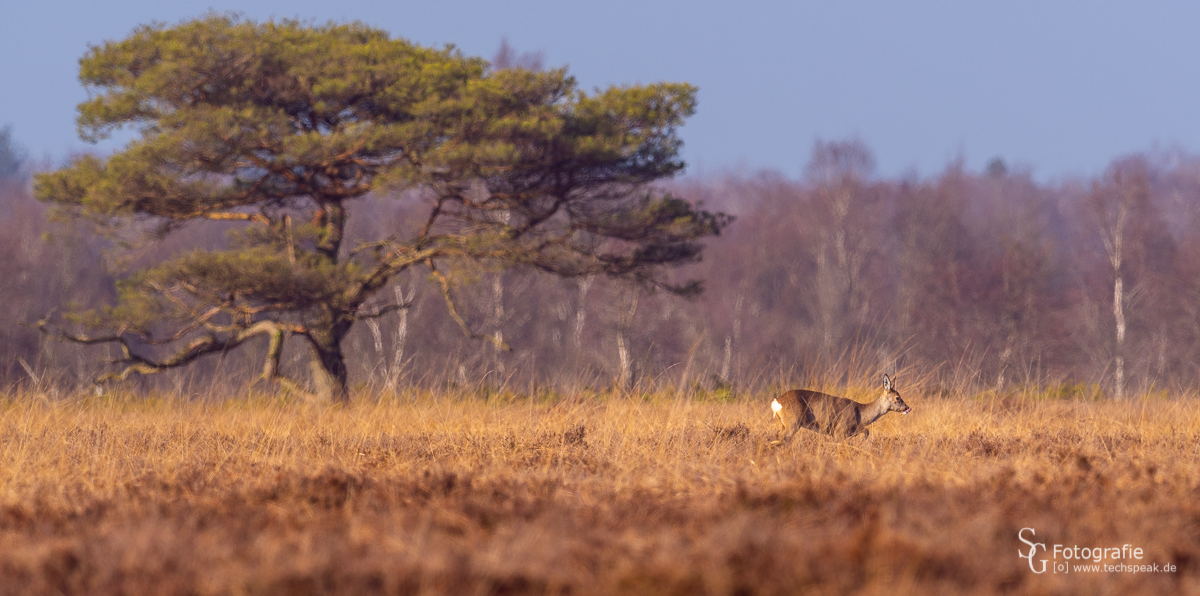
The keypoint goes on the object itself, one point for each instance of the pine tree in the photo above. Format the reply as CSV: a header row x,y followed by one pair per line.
x,y
282,126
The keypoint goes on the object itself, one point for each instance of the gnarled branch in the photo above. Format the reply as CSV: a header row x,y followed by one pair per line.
x,y
202,346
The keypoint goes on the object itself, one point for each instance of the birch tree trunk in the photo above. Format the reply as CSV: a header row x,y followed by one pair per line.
x,y
627,375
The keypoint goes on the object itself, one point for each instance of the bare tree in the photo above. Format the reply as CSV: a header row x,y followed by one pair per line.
x,y
840,172
628,302
1121,210
507,57
12,156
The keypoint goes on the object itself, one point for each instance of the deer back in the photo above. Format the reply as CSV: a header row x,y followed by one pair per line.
x,y
821,412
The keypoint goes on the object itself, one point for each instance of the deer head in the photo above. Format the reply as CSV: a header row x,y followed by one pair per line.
x,y
895,403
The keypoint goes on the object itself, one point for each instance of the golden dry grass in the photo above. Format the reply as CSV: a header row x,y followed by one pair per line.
x,y
427,495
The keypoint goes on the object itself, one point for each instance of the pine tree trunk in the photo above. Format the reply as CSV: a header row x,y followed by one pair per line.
x,y
330,377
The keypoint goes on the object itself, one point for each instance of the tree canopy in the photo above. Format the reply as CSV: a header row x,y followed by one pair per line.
x,y
281,126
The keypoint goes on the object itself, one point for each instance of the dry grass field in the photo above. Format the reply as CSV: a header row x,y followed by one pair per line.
x,y
439,494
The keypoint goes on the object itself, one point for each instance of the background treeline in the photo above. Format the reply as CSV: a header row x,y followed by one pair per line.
x,y
985,277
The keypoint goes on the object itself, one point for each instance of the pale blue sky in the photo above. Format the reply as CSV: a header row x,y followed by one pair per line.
x,y
1059,87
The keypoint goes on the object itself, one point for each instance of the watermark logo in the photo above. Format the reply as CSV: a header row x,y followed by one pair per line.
x,y
1087,559
1033,546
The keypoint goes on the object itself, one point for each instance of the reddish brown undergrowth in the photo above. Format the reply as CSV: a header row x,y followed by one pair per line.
x,y
432,496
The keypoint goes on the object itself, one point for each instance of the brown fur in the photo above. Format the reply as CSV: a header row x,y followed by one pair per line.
x,y
837,417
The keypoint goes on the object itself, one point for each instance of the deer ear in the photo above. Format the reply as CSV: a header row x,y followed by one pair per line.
x,y
887,382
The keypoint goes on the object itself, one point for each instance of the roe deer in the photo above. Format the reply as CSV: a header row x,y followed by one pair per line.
x,y
838,417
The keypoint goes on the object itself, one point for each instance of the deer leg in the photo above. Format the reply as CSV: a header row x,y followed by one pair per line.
x,y
786,436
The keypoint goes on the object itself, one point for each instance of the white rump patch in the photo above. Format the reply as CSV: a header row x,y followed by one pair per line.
x,y
776,407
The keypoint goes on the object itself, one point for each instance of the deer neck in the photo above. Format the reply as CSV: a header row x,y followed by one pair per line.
x,y
870,412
